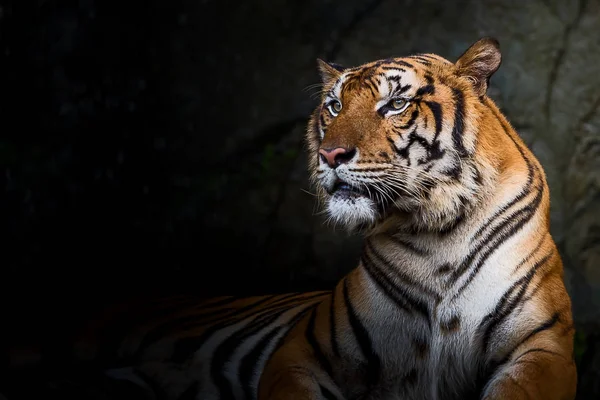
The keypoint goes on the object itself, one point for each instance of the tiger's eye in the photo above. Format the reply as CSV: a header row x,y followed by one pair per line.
x,y
337,106
398,103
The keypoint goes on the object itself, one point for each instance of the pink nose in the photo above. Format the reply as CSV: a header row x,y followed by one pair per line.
x,y
337,156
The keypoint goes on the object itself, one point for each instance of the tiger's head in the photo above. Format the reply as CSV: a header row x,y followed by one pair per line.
x,y
398,139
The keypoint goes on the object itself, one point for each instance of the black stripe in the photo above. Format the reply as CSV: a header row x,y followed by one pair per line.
x,y
327,394
436,110
477,178
374,93
398,294
140,315
370,71
412,119
402,89
410,246
524,191
543,327
290,325
394,147
226,349
443,269
374,169
349,84
454,171
531,254
548,324
406,280
403,63
452,225
294,321
388,68
312,340
186,347
363,339
434,151
499,234
508,302
316,118
334,342
393,78
537,350
372,81
298,298
527,189
192,320
367,82
386,286
536,288
421,60
389,82
459,122
249,362
285,299
429,89
502,232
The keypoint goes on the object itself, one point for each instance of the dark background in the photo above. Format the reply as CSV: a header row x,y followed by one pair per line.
x,y
157,146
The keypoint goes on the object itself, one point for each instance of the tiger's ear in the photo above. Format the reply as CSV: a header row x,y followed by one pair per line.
x,y
479,63
329,71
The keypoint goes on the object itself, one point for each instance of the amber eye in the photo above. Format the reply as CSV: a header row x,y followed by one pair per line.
x,y
335,107
398,104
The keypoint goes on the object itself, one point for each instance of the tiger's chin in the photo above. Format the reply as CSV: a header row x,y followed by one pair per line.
x,y
352,209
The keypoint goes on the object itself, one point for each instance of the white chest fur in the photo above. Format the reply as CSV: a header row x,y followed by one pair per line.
x,y
454,285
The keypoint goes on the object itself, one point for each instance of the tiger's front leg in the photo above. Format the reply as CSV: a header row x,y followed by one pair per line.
x,y
293,374
534,375
301,368
540,368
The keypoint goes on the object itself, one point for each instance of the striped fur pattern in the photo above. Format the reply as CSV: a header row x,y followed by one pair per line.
x,y
458,293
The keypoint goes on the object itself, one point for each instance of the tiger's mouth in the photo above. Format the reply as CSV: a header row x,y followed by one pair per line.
x,y
351,205
343,190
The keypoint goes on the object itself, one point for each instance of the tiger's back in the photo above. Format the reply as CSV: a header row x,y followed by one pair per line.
x,y
177,346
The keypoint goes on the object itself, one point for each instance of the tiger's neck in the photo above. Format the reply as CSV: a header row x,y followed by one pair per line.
x,y
418,270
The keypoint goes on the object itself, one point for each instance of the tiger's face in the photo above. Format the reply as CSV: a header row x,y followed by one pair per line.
x,y
399,137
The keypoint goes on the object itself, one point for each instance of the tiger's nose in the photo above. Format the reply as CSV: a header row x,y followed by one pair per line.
x,y
336,157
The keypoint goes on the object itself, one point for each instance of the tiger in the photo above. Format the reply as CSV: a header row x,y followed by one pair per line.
x,y
458,292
